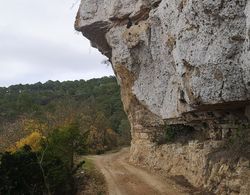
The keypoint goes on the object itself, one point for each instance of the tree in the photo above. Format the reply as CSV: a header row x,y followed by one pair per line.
x,y
66,142
124,131
20,173
33,140
48,170
53,105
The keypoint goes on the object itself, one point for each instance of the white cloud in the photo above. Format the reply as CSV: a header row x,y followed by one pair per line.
x,y
38,43
12,70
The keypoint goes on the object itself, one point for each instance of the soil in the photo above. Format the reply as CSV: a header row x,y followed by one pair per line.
x,y
125,179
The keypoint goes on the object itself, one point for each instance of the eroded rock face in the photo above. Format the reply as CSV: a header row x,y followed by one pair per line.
x,y
180,62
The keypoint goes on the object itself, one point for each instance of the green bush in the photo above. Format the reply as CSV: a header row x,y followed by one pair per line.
x,y
174,132
65,143
48,171
240,137
20,173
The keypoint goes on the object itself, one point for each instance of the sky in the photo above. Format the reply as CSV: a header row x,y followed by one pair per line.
x,y
38,43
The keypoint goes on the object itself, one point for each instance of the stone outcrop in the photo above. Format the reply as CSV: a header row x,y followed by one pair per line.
x,y
181,62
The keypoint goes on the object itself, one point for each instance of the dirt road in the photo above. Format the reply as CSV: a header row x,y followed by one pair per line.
x,y
125,179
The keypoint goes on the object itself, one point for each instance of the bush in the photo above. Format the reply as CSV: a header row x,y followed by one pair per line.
x,y
239,141
65,143
47,171
20,173
174,132
33,140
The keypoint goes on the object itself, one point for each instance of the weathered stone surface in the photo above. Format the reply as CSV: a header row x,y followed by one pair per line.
x,y
180,61
195,49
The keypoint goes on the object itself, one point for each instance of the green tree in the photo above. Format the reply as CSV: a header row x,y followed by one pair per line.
x,y
66,142
47,171
20,173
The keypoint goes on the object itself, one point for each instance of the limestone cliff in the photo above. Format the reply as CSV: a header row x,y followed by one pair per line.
x,y
181,62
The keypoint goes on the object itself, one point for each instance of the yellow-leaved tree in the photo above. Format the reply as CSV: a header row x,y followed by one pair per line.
x,y
33,140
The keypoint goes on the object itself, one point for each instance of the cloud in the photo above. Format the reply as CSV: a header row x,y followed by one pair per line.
x,y
38,43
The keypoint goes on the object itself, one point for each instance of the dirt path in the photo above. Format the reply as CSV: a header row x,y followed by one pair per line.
x,y
124,179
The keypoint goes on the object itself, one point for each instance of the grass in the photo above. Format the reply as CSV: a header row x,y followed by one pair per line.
x,y
89,165
92,181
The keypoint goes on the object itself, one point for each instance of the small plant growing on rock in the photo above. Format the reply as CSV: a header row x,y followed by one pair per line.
x,y
240,139
178,132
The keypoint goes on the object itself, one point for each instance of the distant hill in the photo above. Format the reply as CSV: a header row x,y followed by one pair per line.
x,y
95,104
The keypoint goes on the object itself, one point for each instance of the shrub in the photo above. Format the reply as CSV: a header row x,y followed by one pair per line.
x,y
20,173
33,140
174,132
49,170
240,136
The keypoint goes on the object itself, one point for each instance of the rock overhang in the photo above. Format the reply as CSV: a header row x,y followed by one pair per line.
x,y
186,56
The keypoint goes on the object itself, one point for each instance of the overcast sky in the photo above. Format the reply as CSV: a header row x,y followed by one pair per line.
x,y
38,43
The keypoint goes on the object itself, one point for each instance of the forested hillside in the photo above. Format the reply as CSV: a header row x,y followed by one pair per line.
x,y
94,104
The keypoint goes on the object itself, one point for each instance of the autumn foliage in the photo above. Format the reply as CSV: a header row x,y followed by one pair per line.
x,y
44,127
33,140
42,165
